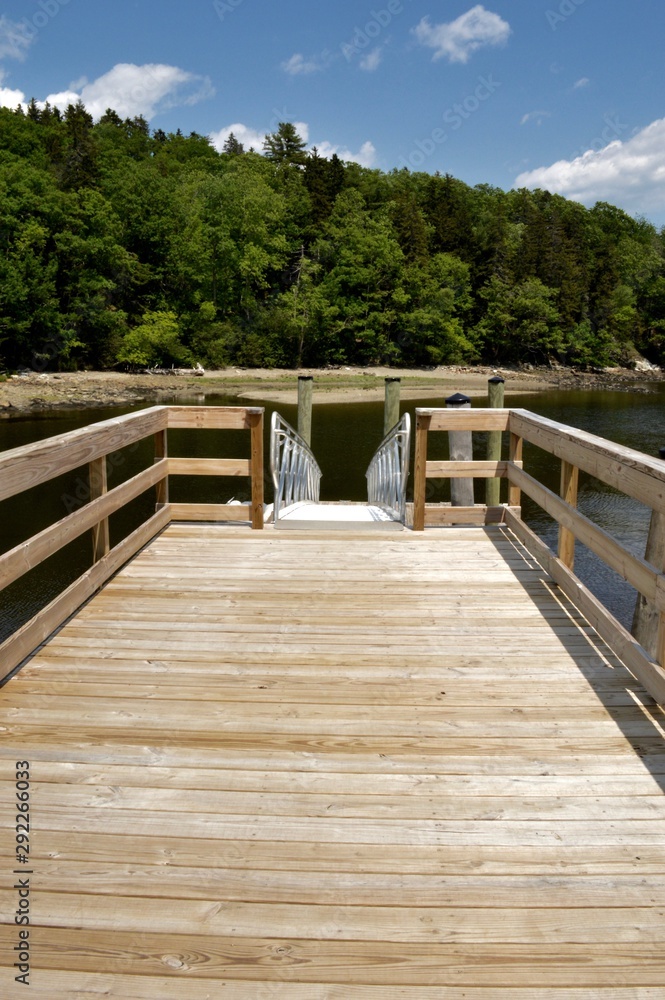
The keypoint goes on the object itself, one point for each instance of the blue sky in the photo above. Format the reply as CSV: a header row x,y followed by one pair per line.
x,y
563,94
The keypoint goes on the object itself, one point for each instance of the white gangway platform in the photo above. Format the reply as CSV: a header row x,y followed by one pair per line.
x,y
296,479
344,515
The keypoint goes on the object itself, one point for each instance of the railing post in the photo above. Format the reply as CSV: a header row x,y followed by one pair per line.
x,y
570,475
256,426
161,452
98,487
461,450
516,454
423,421
496,392
305,392
648,623
391,405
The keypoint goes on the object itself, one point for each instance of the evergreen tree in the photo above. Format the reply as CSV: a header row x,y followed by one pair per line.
x,y
285,147
410,228
232,146
79,168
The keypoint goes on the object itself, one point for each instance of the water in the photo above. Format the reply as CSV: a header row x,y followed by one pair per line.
x,y
344,438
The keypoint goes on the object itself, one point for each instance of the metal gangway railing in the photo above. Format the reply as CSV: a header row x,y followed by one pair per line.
x,y
388,472
295,472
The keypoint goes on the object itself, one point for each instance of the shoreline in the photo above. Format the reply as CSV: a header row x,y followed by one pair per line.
x,y
34,393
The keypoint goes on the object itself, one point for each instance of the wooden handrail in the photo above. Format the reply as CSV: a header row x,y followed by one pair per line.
x,y
638,573
31,465
35,550
625,469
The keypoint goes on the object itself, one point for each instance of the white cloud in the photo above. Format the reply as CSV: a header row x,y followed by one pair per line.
x,y
63,99
630,174
251,137
136,90
366,156
372,60
9,98
583,82
14,39
459,39
535,116
297,65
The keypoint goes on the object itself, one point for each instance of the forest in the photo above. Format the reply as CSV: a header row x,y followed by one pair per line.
x,y
126,247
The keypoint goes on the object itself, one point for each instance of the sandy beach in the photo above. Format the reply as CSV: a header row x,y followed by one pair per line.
x,y
33,392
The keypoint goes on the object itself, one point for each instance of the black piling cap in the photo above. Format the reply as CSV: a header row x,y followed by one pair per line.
x,y
305,378
662,452
395,379
496,380
458,400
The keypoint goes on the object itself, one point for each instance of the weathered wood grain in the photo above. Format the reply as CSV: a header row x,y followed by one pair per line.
x,y
316,767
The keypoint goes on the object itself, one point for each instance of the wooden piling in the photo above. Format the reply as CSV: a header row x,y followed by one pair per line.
x,y
495,391
305,392
461,450
391,405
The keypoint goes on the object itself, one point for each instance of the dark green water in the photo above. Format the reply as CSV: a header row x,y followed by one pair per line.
x,y
344,438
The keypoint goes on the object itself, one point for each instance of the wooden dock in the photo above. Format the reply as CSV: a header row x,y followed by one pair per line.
x,y
306,766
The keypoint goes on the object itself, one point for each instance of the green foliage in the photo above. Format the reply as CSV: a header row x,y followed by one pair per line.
x,y
122,245
154,343
520,320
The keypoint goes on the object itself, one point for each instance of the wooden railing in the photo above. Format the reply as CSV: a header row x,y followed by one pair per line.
x,y
31,465
628,471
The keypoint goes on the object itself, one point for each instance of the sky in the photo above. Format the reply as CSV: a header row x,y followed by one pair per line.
x,y
567,95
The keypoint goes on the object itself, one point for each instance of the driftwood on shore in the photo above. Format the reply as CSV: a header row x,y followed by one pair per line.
x,y
198,370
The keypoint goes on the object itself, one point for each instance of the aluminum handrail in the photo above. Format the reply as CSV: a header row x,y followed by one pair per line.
x,y
295,472
388,472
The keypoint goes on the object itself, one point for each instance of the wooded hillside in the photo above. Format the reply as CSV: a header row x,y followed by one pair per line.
x,y
124,246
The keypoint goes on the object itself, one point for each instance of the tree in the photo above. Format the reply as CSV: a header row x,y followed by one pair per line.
x,y
521,322
79,168
410,228
363,263
232,146
431,325
154,342
285,147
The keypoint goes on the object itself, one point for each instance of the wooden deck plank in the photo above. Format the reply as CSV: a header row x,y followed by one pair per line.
x,y
61,986
260,735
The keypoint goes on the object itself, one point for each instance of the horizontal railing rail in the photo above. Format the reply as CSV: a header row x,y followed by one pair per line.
x,y
630,472
452,420
295,472
28,466
388,472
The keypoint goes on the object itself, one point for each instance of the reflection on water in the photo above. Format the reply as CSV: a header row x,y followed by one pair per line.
x,y
344,438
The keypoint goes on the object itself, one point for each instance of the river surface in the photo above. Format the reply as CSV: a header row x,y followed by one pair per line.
x,y
344,437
